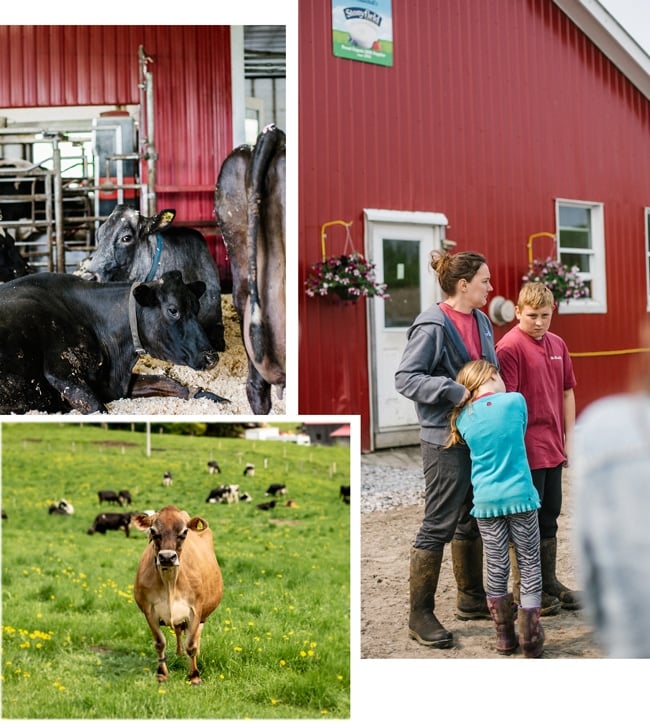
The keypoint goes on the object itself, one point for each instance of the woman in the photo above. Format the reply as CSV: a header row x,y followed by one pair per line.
x,y
441,340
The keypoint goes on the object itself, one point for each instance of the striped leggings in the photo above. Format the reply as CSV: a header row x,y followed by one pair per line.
x,y
522,530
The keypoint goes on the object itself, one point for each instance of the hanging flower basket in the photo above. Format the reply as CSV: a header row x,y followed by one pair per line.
x,y
563,281
349,277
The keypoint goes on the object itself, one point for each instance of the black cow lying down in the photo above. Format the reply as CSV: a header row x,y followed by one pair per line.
x,y
110,522
70,344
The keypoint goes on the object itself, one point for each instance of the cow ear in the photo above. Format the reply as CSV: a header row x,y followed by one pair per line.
x,y
197,287
145,295
162,220
197,524
142,521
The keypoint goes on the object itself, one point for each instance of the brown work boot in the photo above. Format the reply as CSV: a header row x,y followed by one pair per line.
x,y
467,560
424,627
568,599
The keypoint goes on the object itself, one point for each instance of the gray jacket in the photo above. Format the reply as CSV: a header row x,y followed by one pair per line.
x,y
433,356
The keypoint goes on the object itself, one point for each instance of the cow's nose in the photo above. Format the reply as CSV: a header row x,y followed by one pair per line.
x,y
210,358
167,558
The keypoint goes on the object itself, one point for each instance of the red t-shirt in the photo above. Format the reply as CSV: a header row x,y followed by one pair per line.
x,y
467,326
541,370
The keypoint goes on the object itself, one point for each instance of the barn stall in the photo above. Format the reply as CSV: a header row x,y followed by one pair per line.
x,y
93,116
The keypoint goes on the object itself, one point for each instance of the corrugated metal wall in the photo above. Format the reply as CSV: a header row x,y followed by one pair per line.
x,y
95,65
491,111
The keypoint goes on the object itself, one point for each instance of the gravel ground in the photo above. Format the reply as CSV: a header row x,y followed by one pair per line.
x,y
384,487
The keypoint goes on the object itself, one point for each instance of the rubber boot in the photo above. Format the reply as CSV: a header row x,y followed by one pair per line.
x,y
424,627
531,633
503,614
550,604
467,560
568,599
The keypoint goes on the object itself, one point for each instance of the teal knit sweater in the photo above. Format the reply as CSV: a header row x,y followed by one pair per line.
x,y
493,427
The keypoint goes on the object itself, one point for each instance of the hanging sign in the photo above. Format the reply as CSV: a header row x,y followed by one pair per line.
x,y
363,30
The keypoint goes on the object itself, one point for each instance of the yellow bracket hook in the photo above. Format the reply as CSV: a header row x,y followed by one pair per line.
x,y
530,244
323,235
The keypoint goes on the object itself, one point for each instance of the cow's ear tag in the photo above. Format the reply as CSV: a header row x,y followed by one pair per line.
x,y
166,217
199,525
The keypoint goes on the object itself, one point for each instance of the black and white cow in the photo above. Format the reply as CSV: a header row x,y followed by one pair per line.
x,y
110,522
168,479
250,209
213,467
131,246
70,344
125,497
224,494
61,508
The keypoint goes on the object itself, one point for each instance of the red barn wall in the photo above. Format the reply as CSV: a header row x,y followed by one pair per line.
x,y
491,112
93,65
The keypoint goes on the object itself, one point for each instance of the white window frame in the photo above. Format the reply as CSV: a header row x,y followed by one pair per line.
x,y
646,216
597,303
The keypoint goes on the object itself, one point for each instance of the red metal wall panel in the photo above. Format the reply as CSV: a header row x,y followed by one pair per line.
x,y
490,112
98,65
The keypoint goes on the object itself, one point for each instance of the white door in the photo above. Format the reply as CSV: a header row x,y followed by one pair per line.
x,y
400,245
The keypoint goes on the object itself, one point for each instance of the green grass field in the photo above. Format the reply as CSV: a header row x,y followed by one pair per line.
x,y
74,643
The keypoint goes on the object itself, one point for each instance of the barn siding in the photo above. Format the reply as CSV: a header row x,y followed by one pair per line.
x,y
95,65
491,111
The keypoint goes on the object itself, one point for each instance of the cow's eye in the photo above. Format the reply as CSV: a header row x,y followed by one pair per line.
x,y
127,238
182,535
173,311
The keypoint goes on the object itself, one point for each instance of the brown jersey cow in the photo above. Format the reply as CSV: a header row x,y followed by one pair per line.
x,y
178,582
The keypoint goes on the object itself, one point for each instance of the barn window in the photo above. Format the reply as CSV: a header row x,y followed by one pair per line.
x,y
647,256
581,242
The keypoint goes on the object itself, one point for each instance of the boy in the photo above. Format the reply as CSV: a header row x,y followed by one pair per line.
x,y
536,363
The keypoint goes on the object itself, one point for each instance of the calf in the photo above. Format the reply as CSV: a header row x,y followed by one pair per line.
x,y
224,494
110,522
249,470
345,494
250,209
245,497
109,497
133,247
70,344
167,478
178,582
276,489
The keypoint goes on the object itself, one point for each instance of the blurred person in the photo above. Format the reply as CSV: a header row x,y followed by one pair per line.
x,y
492,423
439,342
611,474
536,363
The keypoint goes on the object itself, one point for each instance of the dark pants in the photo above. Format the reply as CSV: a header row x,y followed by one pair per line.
x,y
447,497
548,482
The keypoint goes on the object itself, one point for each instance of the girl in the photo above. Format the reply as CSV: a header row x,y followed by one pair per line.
x,y
492,423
